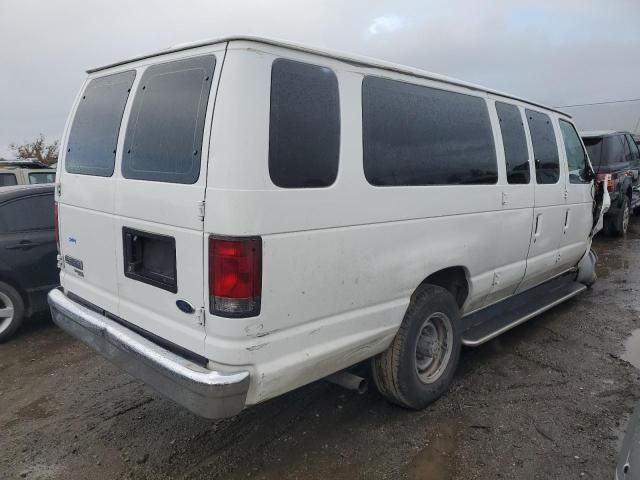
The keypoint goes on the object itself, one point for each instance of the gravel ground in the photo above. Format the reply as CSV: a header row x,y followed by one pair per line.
x,y
547,400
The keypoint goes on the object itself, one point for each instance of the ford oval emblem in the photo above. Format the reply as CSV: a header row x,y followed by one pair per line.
x,y
185,307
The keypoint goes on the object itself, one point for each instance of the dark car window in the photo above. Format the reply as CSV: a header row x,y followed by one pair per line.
x,y
34,212
42,177
417,135
515,143
635,152
164,135
545,147
304,127
605,151
91,149
576,156
8,179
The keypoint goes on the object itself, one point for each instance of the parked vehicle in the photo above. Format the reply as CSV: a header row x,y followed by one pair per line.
x,y
28,267
328,210
617,154
25,172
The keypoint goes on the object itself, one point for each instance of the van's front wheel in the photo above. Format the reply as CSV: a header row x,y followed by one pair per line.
x,y
420,363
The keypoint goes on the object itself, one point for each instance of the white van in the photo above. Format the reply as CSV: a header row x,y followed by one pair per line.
x,y
241,217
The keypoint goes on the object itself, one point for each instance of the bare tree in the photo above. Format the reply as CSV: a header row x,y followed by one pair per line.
x,y
39,150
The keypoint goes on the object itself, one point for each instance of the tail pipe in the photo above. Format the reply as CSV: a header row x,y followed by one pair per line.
x,y
349,381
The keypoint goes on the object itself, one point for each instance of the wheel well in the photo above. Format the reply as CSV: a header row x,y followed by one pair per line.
x,y
453,279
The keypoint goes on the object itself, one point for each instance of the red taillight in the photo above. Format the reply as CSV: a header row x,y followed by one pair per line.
x,y
235,276
56,226
610,183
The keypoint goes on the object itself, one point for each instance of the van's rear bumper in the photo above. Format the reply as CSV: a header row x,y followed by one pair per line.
x,y
205,392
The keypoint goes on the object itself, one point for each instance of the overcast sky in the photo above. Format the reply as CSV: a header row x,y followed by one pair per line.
x,y
560,52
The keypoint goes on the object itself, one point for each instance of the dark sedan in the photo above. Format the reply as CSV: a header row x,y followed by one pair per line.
x,y
28,266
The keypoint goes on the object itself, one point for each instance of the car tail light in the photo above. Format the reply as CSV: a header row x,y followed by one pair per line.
x,y
610,183
235,276
56,226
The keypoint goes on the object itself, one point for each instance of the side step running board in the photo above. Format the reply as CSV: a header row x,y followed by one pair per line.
x,y
482,326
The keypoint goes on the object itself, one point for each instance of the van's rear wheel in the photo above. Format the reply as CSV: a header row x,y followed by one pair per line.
x,y
420,363
11,311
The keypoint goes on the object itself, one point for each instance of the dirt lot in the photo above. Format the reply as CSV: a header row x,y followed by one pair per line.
x,y
546,400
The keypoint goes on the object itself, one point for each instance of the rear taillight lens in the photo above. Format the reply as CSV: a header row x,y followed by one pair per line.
x,y
235,276
56,226
610,183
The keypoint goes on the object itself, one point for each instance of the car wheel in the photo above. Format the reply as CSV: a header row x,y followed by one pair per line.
x,y
619,223
419,365
11,311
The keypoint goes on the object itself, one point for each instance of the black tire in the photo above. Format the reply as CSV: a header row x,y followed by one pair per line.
x,y
619,222
8,326
395,371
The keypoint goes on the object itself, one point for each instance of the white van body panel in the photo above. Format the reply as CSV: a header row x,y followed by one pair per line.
x,y
339,263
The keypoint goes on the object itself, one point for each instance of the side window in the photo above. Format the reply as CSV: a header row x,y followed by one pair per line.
x,y
27,213
627,148
635,153
545,148
304,125
576,156
164,135
42,177
515,143
416,135
91,149
8,179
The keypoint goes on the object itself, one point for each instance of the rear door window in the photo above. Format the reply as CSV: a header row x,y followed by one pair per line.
x,y
417,135
8,179
304,127
515,143
164,135
545,147
91,148
576,156
27,213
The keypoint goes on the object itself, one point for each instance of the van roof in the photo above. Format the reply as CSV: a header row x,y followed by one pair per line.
x,y
348,58
23,164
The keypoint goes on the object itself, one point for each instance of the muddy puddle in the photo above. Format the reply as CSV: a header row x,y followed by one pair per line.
x,y
632,349
435,461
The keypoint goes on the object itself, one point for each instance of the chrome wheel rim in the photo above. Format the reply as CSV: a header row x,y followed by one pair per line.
x,y
6,312
434,347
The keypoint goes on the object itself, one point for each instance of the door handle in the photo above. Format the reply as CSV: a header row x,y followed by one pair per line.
x,y
566,222
538,229
23,245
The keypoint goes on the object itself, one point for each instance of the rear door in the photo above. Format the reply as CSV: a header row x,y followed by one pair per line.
x,y
159,198
27,243
86,192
